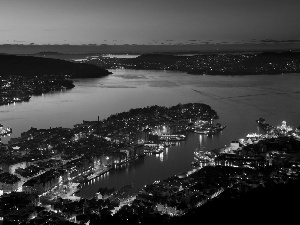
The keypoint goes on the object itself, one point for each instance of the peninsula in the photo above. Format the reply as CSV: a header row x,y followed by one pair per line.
x,y
24,76
242,63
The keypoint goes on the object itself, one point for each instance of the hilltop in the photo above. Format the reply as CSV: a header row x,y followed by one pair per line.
x,y
29,66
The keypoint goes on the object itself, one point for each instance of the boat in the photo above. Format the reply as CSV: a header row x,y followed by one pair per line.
x,y
5,130
172,137
220,128
215,130
211,132
201,131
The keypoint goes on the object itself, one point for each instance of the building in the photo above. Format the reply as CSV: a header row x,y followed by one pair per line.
x,y
44,182
234,145
9,183
11,166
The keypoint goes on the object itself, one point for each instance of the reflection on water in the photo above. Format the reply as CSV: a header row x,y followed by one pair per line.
x,y
238,100
173,160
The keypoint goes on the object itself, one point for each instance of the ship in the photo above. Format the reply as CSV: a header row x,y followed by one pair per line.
x,y
5,130
157,151
215,129
201,130
209,129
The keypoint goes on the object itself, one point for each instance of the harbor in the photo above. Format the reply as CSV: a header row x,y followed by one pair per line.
x,y
178,156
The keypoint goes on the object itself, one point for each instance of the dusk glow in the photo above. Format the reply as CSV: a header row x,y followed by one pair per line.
x,y
148,22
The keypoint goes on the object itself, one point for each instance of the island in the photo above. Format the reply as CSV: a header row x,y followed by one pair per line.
x,y
24,76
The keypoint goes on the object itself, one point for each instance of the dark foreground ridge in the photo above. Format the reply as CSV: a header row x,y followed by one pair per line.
x,y
272,204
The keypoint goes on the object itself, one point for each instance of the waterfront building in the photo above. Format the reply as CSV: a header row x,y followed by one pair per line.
x,y
138,150
234,145
114,158
78,167
127,153
120,157
146,136
234,160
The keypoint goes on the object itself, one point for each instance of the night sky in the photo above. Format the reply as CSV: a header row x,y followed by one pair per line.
x,y
148,22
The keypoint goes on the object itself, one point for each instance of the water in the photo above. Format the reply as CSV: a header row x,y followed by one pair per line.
x,y
174,160
238,100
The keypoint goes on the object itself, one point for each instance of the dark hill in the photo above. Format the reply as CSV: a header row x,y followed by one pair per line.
x,y
270,205
29,66
218,64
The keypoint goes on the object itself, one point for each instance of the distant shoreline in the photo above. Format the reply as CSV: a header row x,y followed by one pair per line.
x,y
142,49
